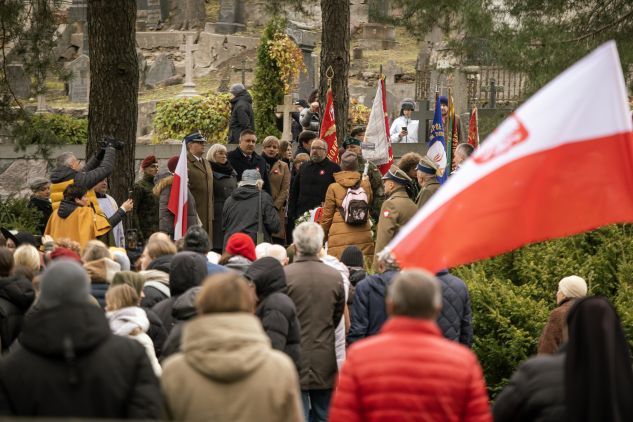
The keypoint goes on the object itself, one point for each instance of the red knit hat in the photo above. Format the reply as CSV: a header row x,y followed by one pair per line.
x,y
64,253
172,163
241,244
148,161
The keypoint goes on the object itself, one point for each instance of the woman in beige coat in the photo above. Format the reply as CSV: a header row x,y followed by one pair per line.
x,y
279,178
339,234
227,370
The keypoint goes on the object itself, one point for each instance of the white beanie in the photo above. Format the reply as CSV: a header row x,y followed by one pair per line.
x,y
573,286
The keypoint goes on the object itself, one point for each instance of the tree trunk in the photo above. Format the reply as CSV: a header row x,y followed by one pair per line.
x,y
113,108
335,40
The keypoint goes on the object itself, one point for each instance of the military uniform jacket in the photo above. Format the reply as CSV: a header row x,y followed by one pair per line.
x,y
145,213
201,188
427,192
396,211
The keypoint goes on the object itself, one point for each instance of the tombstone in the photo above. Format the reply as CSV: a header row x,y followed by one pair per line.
x,y
148,14
162,68
285,109
231,18
425,117
243,69
18,80
390,71
376,35
189,87
42,107
78,13
306,40
79,85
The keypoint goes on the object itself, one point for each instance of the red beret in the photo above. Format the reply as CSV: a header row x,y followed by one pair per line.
x,y
148,161
65,253
241,244
172,163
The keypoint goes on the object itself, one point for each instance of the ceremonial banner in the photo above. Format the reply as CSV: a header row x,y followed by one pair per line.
x,y
437,145
377,132
561,164
453,140
328,128
473,129
178,200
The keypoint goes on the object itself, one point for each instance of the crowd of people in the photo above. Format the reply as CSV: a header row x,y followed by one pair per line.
x,y
251,316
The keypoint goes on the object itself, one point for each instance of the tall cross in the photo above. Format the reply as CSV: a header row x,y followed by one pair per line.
x,y
285,109
425,118
189,87
243,69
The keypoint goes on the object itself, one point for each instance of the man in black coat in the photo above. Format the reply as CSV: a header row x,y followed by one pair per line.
x,y
68,364
242,116
244,158
275,309
41,200
455,317
310,184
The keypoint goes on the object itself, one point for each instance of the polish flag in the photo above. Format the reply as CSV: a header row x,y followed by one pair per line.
x,y
561,164
377,132
473,129
178,196
328,128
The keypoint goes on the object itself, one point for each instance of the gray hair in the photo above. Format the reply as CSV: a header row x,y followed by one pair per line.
x,y
279,253
387,260
308,239
269,140
215,148
415,294
65,159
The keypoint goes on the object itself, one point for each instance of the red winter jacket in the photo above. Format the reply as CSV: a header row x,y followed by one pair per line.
x,y
409,372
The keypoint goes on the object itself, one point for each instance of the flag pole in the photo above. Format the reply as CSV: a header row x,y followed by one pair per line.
x,y
449,139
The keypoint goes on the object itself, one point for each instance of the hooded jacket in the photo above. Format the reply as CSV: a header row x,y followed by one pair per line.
x,y
275,309
183,310
156,287
162,190
16,296
95,170
241,214
68,364
368,310
242,116
224,374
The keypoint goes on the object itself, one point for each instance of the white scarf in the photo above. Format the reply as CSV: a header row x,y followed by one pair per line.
x,y
109,207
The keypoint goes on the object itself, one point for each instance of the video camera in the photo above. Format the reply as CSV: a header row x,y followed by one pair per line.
x,y
109,141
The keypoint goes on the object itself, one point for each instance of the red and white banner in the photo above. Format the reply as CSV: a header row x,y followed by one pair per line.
x,y
473,129
178,197
560,165
328,128
377,132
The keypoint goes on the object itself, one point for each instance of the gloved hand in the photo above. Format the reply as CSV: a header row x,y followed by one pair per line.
x,y
109,141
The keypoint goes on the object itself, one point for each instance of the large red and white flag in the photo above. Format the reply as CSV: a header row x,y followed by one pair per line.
x,y
178,197
377,140
328,128
561,164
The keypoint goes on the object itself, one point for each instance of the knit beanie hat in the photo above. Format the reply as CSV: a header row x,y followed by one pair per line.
x,y
64,281
236,89
241,244
172,163
250,177
197,240
132,279
352,256
573,286
148,161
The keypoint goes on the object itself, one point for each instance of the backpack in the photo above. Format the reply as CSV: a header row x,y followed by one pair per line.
x,y
355,206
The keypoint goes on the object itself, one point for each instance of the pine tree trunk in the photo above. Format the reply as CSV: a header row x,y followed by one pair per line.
x,y
335,40
113,108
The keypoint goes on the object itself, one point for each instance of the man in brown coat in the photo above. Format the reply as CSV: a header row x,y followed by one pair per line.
x,y
426,172
200,179
569,289
317,292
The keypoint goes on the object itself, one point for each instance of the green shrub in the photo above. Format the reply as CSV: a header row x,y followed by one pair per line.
x,y
16,215
51,129
176,118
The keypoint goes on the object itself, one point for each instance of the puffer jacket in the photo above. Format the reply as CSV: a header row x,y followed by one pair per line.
x,y
242,116
338,233
455,317
228,372
183,310
16,296
275,309
165,218
241,214
368,312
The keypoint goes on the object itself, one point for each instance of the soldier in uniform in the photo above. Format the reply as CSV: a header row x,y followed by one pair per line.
x,y
397,209
145,217
427,178
367,170
200,179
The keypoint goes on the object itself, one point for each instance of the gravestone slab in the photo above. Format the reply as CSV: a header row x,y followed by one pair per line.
x,y
18,80
162,68
377,36
306,40
79,85
216,49
231,17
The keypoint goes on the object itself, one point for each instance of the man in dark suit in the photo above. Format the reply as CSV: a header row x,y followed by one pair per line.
x,y
244,157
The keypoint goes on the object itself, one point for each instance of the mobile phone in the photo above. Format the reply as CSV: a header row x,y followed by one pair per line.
x,y
404,128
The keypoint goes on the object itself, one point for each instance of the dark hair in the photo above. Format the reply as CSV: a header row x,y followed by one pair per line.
x,y
409,161
313,96
6,262
197,240
73,192
247,132
307,136
467,149
357,130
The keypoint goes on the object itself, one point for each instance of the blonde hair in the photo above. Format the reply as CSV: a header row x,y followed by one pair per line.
x,y
94,250
64,242
121,296
226,292
215,148
269,140
158,246
27,256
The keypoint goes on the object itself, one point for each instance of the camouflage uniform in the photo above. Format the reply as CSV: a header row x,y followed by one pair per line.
x,y
145,213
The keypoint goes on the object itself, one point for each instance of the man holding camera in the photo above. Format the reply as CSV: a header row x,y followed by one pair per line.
x,y
404,130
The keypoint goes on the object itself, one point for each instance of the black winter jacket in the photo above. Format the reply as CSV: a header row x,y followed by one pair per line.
x,y
156,331
93,172
45,208
368,311
276,310
455,318
242,116
67,363
241,162
183,310
310,185
241,214
536,391
16,296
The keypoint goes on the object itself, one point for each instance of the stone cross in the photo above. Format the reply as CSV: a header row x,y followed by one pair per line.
x,y
243,69
79,85
41,104
425,117
285,109
189,87
493,89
